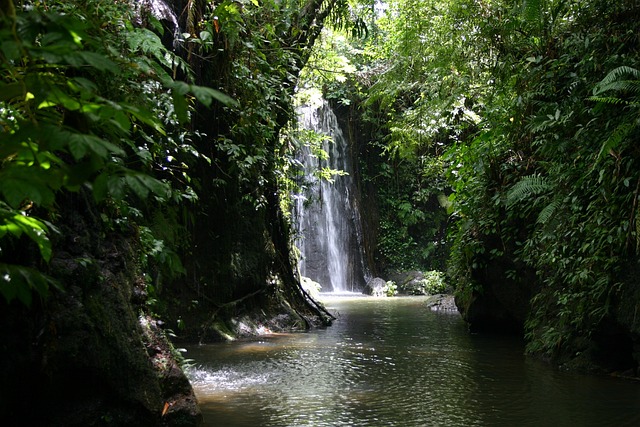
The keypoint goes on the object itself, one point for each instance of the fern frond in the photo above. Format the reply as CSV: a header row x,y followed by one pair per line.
x,y
548,212
608,100
632,86
614,82
529,186
625,86
616,73
616,137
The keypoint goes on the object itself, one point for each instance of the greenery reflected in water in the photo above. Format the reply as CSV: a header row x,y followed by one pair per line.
x,y
392,362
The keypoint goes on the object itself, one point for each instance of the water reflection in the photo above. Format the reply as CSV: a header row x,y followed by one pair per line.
x,y
391,362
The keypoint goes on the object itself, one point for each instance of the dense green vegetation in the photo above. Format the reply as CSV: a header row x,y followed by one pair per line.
x,y
497,140
520,120
89,106
141,176
160,122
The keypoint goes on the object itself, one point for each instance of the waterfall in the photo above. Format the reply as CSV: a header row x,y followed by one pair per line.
x,y
162,11
326,215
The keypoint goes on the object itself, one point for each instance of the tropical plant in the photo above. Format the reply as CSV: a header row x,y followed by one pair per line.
x,y
88,105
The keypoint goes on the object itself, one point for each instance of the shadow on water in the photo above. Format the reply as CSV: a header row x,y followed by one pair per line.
x,y
392,362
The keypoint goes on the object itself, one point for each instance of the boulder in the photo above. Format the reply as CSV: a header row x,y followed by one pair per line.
x,y
406,279
442,302
376,287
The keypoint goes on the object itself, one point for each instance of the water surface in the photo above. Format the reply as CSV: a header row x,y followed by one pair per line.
x,y
392,362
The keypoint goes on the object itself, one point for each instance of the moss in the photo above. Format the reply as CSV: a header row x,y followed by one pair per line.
x,y
81,358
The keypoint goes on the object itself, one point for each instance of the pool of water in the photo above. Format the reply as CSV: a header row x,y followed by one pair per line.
x,y
393,362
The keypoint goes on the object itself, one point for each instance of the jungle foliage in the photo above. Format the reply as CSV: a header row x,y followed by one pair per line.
x,y
88,106
504,130
515,122
156,119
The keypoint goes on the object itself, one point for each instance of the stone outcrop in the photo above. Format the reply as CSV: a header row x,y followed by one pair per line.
x,y
442,302
88,355
499,303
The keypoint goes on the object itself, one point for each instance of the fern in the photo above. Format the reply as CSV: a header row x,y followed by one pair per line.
x,y
613,82
532,12
617,136
616,73
548,212
527,187
608,100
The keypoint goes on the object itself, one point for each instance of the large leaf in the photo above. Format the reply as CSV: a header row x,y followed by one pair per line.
x,y
20,184
206,96
80,144
16,224
19,282
527,187
99,61
142,184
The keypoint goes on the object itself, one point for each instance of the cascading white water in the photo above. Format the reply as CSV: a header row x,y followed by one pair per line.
x,y
162,11
327,217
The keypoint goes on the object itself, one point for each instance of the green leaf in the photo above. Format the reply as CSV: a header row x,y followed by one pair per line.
x,y
207,95
142,184
115,185
17,224
180,105
11,91
99,187
36,230
144,116
20,183
136,185
58,98
121,119
19,282
527,187
80,144
99,61
10,49
16,191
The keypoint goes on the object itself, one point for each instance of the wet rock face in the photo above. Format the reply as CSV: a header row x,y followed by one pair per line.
x,y
443,303
82,357
503,303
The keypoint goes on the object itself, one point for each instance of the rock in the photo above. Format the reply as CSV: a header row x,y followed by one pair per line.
x,y
311,287
376,287
500,302
442,302
85,356
406,278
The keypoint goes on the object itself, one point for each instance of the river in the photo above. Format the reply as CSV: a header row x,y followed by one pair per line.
x,y
393,362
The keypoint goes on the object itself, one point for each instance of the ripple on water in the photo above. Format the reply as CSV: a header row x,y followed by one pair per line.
x,y
226,379
393,363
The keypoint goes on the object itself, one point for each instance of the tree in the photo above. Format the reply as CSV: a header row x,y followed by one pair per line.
x,y
139,174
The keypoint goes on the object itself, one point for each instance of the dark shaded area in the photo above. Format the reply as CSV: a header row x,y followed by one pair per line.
x,y
83,357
